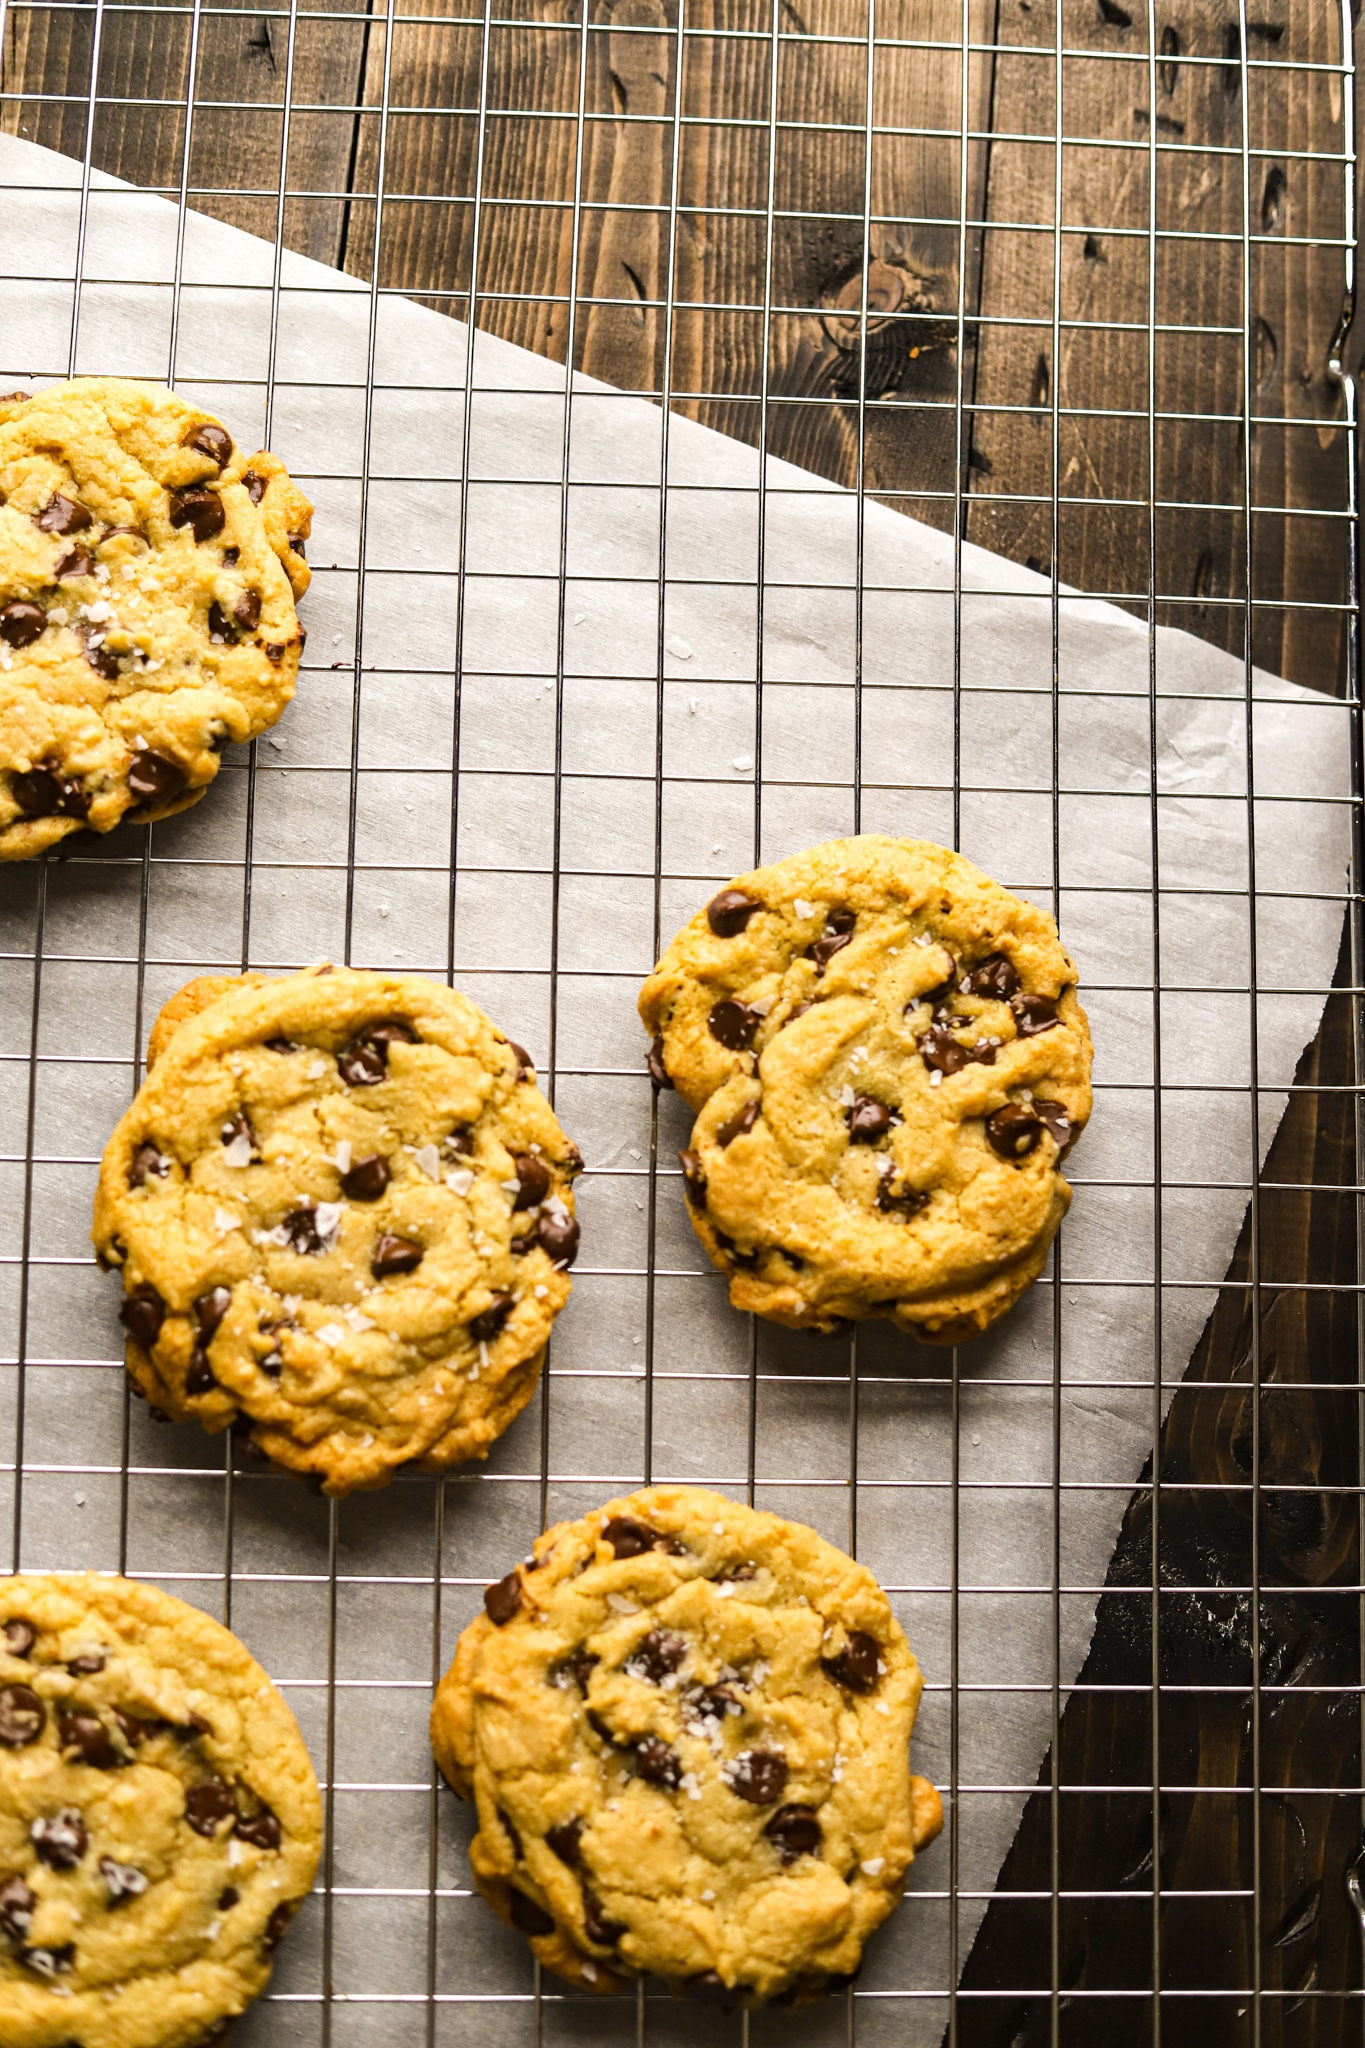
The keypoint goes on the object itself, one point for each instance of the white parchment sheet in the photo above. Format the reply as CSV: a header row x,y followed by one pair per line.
x,y
390,743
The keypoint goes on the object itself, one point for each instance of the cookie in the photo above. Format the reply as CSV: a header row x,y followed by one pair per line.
x,y
148,572
159,1818
343,1214
889,1063
686,1727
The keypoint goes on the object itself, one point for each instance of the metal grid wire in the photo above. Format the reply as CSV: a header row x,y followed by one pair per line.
x,y
354,1607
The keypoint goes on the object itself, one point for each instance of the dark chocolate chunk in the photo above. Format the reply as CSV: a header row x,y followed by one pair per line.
x,y
528,1916
300,1226
367,1179
21,1715
155,778
62,515
654,1060
86,1666
855,1667
391,1031
60,1841
261,1829
757,1775
239,1127
627,1537
278,1921
526,1066
728,913
200,509
255,486
87,1734
18,1637
123,1880
393,1254
694,1180
596,1925
836,935
142,1313
995,977
210,1308
503,1600
533,1177
208,1805
211,440
558,1236
76,561
274,652
361,1065
734,1127
657,1764
1033,1014
1058,1120
734,1024
509,1828
50,1962
1014,1131
941,1052
659,1653
247,610
795,1831
868,1120
17,1907
42,793
485,1326
147,1160
566,1839
21,623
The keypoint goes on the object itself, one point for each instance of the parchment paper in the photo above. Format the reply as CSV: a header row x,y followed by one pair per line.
x,y
397,723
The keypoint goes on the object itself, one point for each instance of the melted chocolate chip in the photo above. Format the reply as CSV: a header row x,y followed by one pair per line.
x,y
155,778
484,1327
261,1829
240,1127
558,1237
566,1840
100,656
18,1637
657,1764
60,1841
836,935
733,1252
123,1880
199,1375
734,1024
21,623
393,1254
247,610
1033,1014
694,1180
580,1666
794,1831
367,1179
736,1126
855,1667
627,1537
757,1775
713,1701
869,1120
729,913
1058,1120
278,1921
21,1716
255,486
596,1925
503,1600
88,1665
1014,1131
941,1052
62,515
996,977
200,509
300,1226
50,1962
210,1309
211,440
208,1805
533,1178
528,1916
42,793
526,1066
659,1653
17,1907
654,1060
87,1734
220,624
900,1201
147,1160
142,1313
76,561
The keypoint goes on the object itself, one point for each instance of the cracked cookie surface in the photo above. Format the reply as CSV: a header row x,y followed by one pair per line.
x,y
148,573
343,1212
889,1061
159,1817
687,1728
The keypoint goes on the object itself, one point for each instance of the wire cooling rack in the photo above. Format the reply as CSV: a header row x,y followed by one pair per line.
x,y
459,821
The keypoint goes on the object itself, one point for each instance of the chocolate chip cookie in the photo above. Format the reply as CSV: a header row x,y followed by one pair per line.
x,y
686,1726
148,572
159,1818
343,1214
889,1064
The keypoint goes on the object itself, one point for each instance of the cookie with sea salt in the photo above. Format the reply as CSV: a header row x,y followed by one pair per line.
x,y
686,1727
343,1214
889,1064
148,573
159,1818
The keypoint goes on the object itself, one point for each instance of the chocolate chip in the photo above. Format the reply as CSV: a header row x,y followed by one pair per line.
x,y
199,1374
278,1921
261,1829
1058,1120
484,1327
124,1880
526,1066
566,1839
62,515
155,778
17,1907
210,1308
900,1201
855,1667
792,1015
528,1916
361,1065
42,793
100,656
240,1127
200,509
220,624
509,1828
133,1731
533,1177
580,1666
76,561
227,1898
659,1653
142,1313
50,1962
255,486
147,1160
728,913
996,977
61,1841
394,1254
1033,1014
599,1727
274,652
941,1052
281,1045
247,610
627,1537
734,1024
1014,1131
734,1127
868,1120
558,1237
296,542
21,1715
211,440
654,1060
208,1805
21,623
367,1179
88,1665
300,1226
87,1734
18,1637
836,935
694,1180
757,1775
596,1925
391,1032
657,1764
795,1831
713,1702
503,1600
711,1989
460,1144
